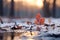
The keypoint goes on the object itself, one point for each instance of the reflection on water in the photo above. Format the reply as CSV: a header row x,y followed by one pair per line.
x,y
28,36
30,39
42,38
34,36
26,39
31,34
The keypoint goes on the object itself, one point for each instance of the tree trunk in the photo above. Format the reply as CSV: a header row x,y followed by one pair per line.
x,y
12,9
46,9
54,8
1,7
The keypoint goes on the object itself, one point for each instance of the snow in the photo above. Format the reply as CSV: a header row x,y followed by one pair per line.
x,y
22,22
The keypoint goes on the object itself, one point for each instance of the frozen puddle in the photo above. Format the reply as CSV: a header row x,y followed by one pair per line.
x,y
28,36
39,38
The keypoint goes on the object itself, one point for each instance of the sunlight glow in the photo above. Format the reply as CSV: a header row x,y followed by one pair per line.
x,y
37,3
30,2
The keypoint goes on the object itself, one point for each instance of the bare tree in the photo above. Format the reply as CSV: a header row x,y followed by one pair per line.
x,y
1,7
12,8
54,8
12,15
46,9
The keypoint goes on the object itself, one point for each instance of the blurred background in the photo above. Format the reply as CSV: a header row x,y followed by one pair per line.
x,y
29,8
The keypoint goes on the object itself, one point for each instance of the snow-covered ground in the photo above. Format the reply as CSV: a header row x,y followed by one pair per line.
x,y
37,35
8,21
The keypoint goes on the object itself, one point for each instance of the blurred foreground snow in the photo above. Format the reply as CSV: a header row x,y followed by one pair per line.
x,y
27,35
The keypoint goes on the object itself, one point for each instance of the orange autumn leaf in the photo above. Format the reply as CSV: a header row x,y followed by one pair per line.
x,y
38,16
42,20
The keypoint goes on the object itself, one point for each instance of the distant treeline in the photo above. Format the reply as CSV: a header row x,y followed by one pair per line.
x,y
13,9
